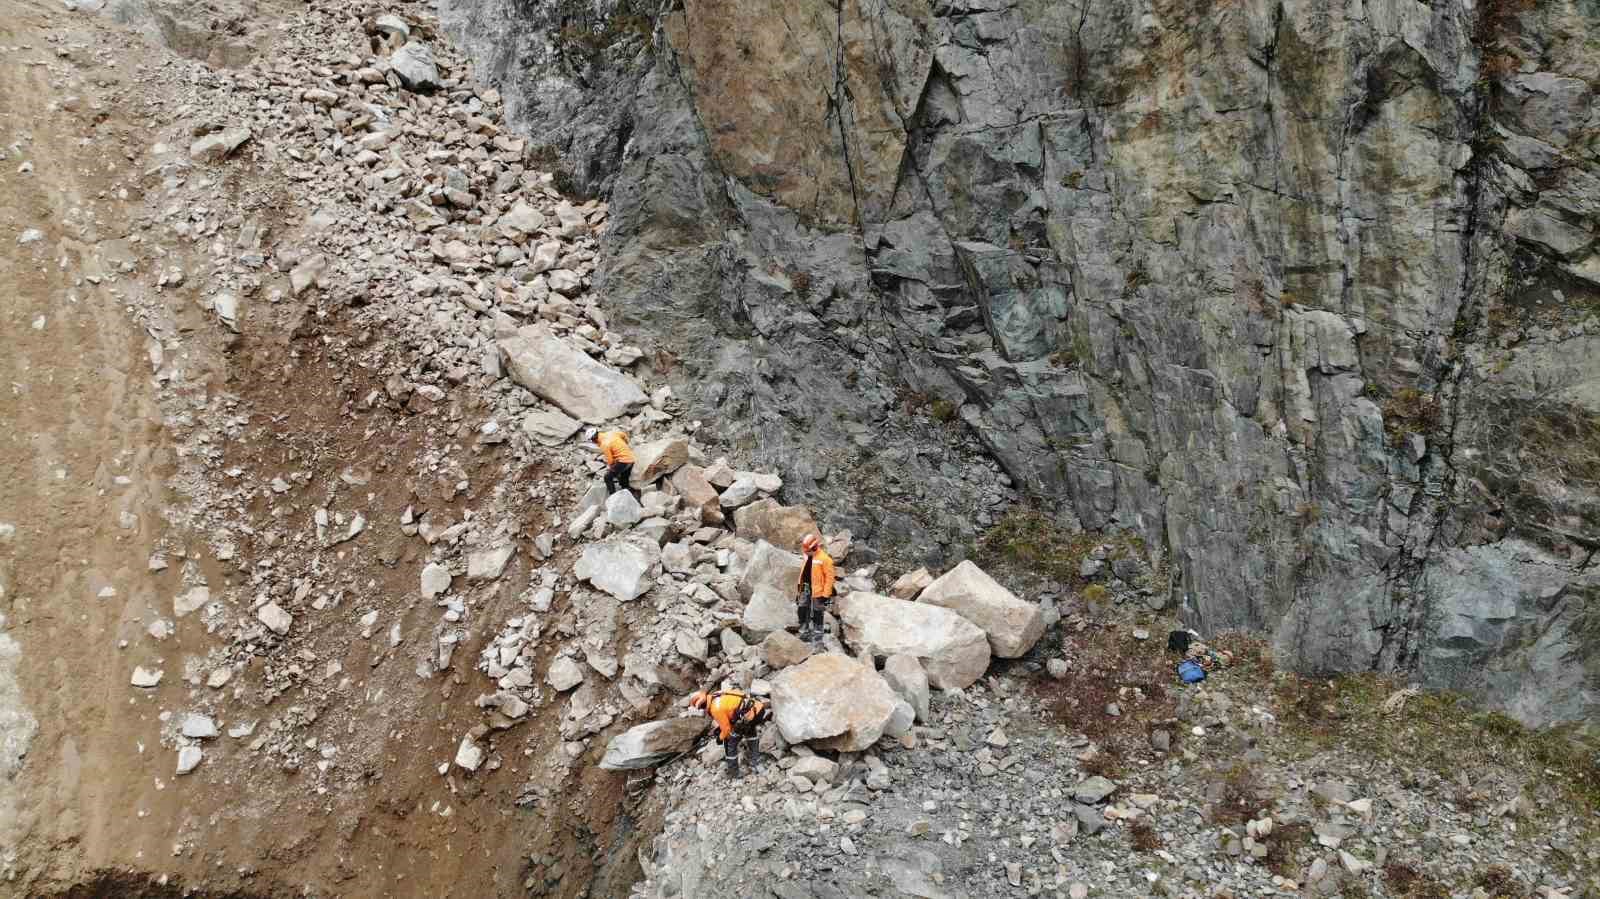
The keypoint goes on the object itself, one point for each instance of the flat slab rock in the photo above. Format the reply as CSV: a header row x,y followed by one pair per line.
x,y
560,373
620,566
652,743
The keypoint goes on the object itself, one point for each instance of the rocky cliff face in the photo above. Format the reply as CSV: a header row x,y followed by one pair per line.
x,y
1302,293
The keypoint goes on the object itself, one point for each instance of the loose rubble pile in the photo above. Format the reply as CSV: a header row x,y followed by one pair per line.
x,y
906,752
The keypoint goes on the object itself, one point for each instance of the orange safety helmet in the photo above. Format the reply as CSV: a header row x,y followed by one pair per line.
x,y
811,543
697,699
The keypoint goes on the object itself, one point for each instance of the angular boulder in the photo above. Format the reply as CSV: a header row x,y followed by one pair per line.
x,y
780,525
551,428
488,564
219,145
910,584
740,492
773,567
622,510
698,493
415,67
657,459
953,651
564,375
651,744
770,610
906,677
832,702
620,566
1013,626
783,649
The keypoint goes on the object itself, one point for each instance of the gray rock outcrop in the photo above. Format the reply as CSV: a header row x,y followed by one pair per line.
x,y
1302,303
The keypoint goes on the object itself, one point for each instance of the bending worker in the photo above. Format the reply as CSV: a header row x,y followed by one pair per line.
x,y
618,457
737,715
816,589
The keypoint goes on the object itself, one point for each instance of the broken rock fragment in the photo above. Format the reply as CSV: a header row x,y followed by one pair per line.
x,y
1012,625
652,743
558,372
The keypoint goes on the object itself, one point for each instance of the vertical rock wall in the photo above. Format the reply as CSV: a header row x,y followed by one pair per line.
x,y
1301,292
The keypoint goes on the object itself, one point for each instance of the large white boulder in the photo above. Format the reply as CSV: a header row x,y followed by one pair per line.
x,y
564,375
619,566
953,651
698,493
833,702
769,520
769,610
622,510
657,459
773,567
1013,625
651,744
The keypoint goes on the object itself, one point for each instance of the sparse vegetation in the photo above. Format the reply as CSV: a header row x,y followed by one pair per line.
x,y
1284,846
1143,837
1410,411
1406,882
1239,801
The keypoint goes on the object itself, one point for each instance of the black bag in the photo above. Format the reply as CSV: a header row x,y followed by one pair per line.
x,y
1178,641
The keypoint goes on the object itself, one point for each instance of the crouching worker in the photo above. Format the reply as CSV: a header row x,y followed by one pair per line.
x,y
816,589
737,716
618,458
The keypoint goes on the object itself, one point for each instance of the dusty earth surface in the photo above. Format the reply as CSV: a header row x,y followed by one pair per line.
x,y
125,405
206,420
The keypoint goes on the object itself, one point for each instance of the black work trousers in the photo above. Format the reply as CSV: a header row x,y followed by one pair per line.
x,y
617,476
811,607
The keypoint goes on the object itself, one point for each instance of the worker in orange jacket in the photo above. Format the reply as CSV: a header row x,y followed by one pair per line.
x,y
736,715
815,587
618,458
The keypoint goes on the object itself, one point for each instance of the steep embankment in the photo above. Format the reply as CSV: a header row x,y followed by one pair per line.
x,y
1301,295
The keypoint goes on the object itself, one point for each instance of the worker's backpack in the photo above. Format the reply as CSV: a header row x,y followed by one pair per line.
x,y
1190,672
1178,641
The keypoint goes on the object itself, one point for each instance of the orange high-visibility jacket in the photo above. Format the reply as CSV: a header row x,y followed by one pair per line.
x,y
614,446
724,706
821,575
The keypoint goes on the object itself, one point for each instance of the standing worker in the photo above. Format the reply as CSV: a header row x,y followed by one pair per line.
x,y
816,589
737,715
618,457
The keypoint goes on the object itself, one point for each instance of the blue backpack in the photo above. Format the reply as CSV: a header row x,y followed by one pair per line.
x,y
1190,672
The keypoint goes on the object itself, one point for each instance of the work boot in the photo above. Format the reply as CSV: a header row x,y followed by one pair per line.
x,y
804,632
733,767
752,756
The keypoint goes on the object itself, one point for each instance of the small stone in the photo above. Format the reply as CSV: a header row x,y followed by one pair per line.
x,y
435,580
469,754
1094,790
564,674
199,727
1057,668
219,678
1078,891
998,739
189,759
146,677
275,618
